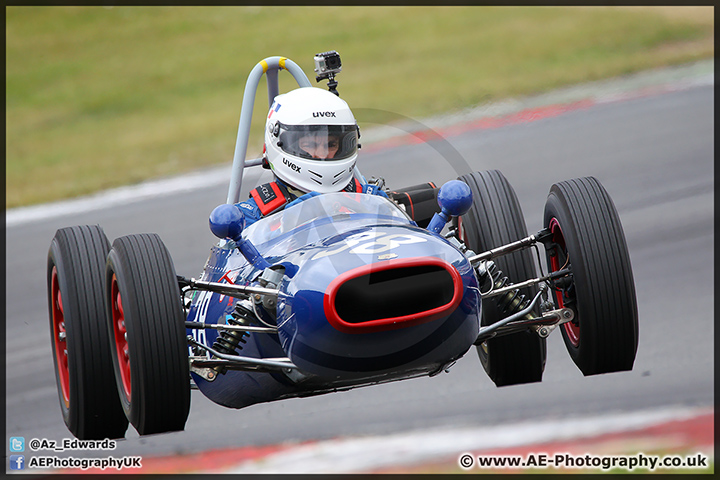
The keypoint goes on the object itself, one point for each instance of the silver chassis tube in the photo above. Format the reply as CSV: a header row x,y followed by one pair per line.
x,y
271,66
253,162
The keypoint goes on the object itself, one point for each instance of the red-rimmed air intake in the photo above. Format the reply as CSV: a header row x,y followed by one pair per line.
x,y
392,294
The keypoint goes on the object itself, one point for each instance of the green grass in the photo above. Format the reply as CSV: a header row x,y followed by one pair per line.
x,y
99,97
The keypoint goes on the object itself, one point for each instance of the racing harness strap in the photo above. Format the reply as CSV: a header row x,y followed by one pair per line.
x,y
272,196
353,186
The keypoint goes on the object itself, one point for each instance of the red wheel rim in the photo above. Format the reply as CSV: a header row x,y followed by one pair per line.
x,y
60,338
572,329
120,333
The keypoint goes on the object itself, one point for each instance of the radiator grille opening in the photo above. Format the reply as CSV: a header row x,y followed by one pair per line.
x,y
393,293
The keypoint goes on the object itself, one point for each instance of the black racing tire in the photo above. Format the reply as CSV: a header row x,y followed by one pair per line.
x,y
88,397
496,219
147,334
588,236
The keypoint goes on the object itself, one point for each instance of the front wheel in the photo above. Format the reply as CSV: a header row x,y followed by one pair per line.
x,y
587,238
147,334
83,367
496,219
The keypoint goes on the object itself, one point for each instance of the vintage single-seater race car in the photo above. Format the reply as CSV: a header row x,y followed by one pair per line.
x,y
336,291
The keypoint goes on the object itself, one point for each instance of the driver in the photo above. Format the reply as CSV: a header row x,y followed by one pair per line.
x,y
311,147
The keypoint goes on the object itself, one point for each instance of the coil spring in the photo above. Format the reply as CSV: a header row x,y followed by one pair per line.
x,y
228,341
510,302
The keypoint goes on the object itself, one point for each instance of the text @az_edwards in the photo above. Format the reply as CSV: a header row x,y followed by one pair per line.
x,y
37,444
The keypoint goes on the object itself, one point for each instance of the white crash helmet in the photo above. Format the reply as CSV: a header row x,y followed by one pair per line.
x,y
311,116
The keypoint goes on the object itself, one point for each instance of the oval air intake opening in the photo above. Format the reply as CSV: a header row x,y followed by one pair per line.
x,y
394,292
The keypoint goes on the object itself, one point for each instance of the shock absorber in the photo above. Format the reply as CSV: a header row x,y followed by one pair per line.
x,y
228,341
491,278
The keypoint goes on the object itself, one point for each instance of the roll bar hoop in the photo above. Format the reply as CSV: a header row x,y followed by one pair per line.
x,y
270,66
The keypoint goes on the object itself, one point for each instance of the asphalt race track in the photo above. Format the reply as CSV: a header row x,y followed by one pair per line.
x,y
654,154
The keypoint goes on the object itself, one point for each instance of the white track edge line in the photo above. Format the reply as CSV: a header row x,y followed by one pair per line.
x,y
364,454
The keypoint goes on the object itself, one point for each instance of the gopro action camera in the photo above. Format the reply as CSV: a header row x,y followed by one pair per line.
x,y
327,65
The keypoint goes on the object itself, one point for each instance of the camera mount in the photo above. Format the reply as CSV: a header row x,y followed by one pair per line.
x,y
327,65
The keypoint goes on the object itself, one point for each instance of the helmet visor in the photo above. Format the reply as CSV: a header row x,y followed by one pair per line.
x,y
318,142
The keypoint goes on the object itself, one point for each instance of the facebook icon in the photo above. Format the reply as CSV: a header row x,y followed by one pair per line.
x,y
17,462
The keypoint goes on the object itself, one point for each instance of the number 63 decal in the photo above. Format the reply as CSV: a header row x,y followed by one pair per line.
x,y
372,243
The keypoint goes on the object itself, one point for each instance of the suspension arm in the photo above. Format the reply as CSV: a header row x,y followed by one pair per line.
x,y
516,322
230,328
511,247
207,368
527,283
543,325
487,332
249,361
239,291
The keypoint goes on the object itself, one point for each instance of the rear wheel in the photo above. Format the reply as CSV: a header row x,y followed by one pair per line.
x,y
496,219
147,334
81,352
588,238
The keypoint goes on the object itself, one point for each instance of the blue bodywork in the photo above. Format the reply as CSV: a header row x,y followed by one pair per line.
x,y
316,242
